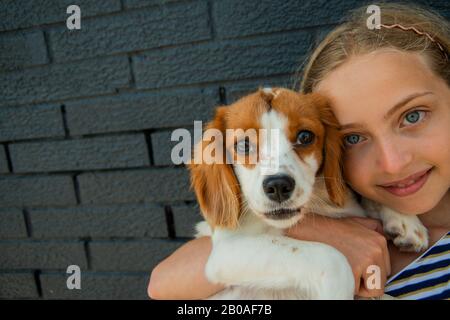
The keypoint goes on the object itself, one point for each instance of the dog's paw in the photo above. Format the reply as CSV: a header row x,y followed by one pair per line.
x,y
407,234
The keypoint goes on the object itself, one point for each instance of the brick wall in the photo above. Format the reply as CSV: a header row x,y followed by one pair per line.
x,y
86,117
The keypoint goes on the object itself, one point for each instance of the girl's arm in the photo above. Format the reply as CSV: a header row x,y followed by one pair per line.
x,y
181,275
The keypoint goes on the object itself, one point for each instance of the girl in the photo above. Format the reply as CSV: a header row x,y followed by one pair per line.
x,y
390,90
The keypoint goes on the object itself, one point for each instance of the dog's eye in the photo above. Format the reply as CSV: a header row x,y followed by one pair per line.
x,y
244,146
305,137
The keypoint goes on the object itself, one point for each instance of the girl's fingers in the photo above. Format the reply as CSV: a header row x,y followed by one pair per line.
x,y
377,226
358,281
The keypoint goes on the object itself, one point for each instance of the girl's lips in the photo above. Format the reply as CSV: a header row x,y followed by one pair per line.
x,y
407,180
408,188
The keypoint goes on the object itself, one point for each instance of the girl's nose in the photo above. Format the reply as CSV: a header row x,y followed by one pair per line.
x,y
393,156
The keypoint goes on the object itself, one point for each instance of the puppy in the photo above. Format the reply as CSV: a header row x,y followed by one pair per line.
x,y
248,204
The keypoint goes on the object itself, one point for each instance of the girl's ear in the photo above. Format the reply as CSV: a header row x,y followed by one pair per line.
x,y
215,184
332,154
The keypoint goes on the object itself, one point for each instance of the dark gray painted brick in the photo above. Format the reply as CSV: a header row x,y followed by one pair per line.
x,y
162,147
150,185
140,111
22,49
3,160
37,191
237,91
80,154
129,220
60,81
445,12
17,285
132,30
322,32
142,255
185,218
220,61
25,13
109,286
12,224
435,3
145,3
30,122
288,5
26,254
236,18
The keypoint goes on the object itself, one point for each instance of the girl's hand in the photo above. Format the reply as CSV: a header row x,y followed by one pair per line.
x,y
361,240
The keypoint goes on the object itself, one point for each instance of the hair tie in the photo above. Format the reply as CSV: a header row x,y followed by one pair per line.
x,y
419,33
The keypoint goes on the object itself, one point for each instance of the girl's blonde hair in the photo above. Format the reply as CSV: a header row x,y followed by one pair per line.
x,y
354,37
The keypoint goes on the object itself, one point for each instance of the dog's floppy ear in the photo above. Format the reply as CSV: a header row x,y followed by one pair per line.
x,y
332,153
215,184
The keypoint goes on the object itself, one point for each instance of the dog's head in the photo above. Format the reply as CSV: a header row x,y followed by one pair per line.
x,y
263,155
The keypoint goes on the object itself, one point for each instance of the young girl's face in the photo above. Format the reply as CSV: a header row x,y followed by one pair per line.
x,y
395,117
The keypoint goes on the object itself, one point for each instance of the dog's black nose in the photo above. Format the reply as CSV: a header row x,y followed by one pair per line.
x,y
279,187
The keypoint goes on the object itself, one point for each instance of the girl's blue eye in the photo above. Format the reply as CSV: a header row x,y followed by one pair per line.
x,y
352,139
413,117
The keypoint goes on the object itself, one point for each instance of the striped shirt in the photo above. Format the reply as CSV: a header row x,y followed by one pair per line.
x,y
427,278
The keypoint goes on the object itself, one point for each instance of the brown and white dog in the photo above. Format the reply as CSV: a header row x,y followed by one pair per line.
x,y
246,208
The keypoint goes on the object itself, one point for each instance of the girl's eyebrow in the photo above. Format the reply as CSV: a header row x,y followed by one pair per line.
x,y
391,111
404,101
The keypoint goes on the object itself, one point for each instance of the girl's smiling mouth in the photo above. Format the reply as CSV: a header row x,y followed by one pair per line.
x,y
408,186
